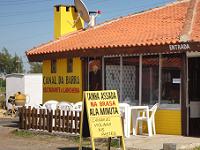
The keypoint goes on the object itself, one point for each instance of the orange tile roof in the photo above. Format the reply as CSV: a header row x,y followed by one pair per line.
x,y
154,27
195,36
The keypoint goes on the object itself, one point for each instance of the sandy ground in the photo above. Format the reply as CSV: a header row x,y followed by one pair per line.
x,y
156,142
10,141
4,114
39,140
2,111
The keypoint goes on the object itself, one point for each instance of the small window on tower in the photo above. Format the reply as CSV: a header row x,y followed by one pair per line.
x,y
53,66
69,65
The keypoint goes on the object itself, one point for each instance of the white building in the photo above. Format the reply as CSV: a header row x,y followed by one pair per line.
x,y
28,84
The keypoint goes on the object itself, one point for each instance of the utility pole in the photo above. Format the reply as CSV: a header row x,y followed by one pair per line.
x,y
18,65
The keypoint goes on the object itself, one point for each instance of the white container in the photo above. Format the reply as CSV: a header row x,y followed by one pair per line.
x,y
28,84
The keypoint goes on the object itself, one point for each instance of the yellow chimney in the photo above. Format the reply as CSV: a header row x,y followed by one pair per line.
x,y
64,18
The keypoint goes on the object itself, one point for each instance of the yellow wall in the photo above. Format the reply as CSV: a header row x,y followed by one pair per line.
x,y
59,87
64,21
168,122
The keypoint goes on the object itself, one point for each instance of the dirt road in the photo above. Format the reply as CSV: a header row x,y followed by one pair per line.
x,y
35,141
10,139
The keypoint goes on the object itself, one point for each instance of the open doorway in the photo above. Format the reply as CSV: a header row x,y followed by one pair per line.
x,y
95,74
194,95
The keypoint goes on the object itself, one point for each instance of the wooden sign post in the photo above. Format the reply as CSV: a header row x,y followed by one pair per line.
x,y
100,117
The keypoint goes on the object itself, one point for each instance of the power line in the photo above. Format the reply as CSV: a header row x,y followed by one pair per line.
x,y
109,16
121,10
26,22
44,11
25,13
23,3
14,12
98,1
14,0
141,7
28,37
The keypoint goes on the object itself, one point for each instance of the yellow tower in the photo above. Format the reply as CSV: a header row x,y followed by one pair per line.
x,y
62,77
64,20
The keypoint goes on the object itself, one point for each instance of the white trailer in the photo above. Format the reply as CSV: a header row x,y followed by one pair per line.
x,y
28,84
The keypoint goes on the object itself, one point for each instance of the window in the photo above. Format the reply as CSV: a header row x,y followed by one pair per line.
x,y
112,74
130,80
53,66
150,77
171,79
69,65
123,75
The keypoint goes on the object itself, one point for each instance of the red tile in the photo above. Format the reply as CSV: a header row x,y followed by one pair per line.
x,y
195,35
157,26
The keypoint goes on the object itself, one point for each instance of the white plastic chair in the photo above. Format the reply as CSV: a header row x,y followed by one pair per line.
x,y
37,106
78,106
64,106
125,109
149,118
51,104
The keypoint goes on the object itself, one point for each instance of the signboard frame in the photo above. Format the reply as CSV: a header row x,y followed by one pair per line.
x,y
106,102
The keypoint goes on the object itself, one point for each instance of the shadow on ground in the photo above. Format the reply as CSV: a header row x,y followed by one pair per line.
x,y
14,122
75,148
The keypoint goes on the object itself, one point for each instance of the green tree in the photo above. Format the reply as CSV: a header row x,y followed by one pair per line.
x,y
17,64
9,63
35,67
5,57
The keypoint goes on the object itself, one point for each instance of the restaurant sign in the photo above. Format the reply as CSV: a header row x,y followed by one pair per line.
x,y
103,115
61,84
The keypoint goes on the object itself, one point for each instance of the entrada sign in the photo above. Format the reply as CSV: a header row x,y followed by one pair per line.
x,y
179,47
103,115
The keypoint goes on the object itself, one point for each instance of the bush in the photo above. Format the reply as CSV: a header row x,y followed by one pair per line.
x,y
23,133
197,148
2,100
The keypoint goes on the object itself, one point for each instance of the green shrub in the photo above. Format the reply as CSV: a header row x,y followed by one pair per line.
x,y
22,133
197,148
2,100
115,143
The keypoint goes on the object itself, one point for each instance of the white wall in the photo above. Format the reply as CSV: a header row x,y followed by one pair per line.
x,y
28,84
14,84
33,89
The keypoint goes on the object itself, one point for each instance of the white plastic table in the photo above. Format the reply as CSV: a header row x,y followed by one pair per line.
x,y
134,111
125,108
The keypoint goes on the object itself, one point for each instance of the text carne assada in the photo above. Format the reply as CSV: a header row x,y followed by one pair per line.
x,y
102,96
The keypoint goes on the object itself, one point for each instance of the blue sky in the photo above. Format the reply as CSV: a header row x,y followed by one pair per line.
x,y
28,23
